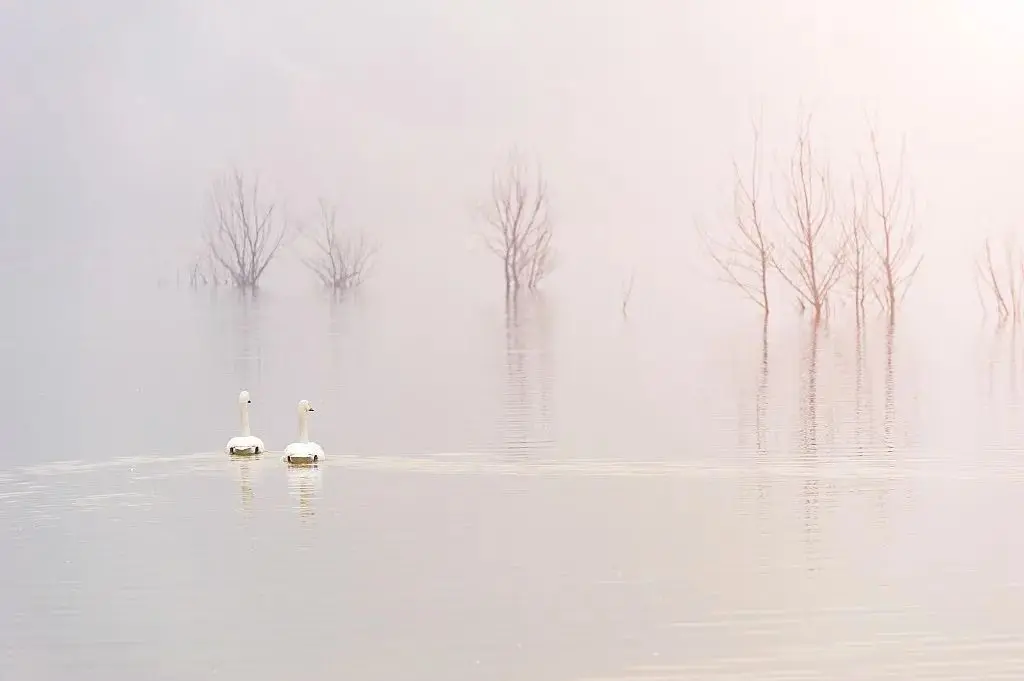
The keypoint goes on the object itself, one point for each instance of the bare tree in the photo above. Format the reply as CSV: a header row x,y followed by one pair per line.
x,y
244,234
204,271
893,238
339,264
815,249
745,258
1004,286
627,294
857,257
520,228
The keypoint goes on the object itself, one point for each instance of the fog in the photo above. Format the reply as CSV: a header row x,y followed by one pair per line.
x,y
554,489
117,118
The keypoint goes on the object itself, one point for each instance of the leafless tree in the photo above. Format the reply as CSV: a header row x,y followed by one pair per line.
x,y
746,257
815,249
627,294
858,257
203,272
244,234
340,264
893,236
520,227
1004,285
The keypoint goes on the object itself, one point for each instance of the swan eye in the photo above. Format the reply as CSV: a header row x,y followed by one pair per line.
x,y
248,401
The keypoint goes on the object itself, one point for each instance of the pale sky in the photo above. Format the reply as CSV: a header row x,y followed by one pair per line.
x,y
117,116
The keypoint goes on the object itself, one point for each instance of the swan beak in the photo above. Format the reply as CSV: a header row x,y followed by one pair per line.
x,y
311,409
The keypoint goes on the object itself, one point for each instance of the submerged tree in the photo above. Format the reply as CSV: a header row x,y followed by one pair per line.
x,y
627,294
859,270
244,234
814,247
1003,284
892,237
746,256
864,250
204,271
520,228
340,263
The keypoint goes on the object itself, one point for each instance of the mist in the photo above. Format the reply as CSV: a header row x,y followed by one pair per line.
x,y
627,468
119,118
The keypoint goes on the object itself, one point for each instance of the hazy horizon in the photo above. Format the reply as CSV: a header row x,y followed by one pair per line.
x,y
400,112
553,491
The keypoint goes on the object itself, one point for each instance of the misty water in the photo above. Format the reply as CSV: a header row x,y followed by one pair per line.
x,y
555,492
544,492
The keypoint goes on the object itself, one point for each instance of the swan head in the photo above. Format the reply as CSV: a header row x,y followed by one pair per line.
x,y
243,397
305,407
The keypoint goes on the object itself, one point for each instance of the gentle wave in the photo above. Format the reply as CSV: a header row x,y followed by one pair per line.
x,y
870,467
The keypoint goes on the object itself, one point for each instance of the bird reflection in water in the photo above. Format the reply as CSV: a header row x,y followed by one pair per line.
x,y
245,482
304,482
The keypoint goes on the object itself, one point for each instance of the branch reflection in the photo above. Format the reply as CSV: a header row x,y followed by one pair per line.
x,y
245,318
761,398
810,491
889,400
526,409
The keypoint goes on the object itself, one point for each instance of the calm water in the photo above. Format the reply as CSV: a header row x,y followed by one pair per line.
x,y
533,494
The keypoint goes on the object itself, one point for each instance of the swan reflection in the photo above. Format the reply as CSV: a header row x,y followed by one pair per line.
x,y
304,483
245,482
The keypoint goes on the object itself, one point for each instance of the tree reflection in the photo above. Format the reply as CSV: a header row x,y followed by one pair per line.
x,y
761,399
526,411
809,437
245,327
1002,362
761,419
889,400
863,406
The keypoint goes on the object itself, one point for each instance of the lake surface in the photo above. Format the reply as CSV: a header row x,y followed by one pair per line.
x,y
545,493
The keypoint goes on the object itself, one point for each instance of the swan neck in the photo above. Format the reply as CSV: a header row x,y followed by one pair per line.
x,y
245,420
303,427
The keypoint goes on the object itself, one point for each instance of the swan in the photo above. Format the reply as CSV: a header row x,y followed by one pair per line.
x,y
303,451
245,443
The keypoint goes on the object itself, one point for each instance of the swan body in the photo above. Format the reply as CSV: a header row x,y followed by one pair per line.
x,y
303,451
245,444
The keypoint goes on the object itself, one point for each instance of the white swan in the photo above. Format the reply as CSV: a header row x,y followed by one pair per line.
x,y
246,443
303,451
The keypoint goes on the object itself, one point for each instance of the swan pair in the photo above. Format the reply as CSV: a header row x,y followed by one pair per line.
x,y
302,451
